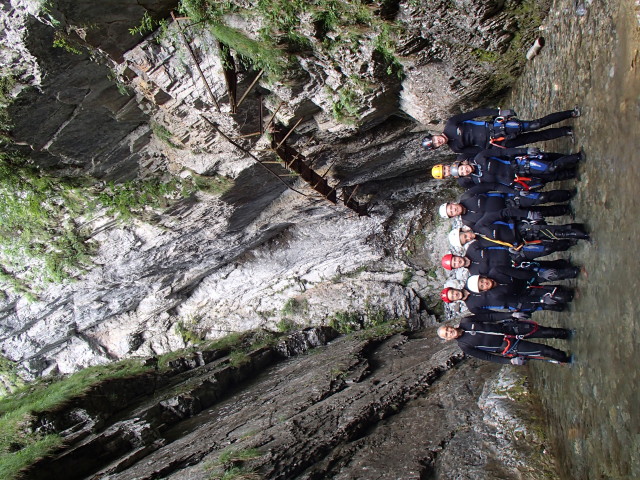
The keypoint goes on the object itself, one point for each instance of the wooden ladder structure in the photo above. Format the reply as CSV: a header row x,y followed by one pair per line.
x,y
290,158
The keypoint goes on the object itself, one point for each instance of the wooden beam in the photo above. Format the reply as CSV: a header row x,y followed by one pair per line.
x,y
250,87
195,60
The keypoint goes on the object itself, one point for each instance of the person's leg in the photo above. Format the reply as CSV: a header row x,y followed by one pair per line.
x,y
535,137
529,125
550,332
529,349
552,210
571,230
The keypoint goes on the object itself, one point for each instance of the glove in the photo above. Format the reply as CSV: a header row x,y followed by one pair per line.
x,y
520,315
518,361
548,300
534,216
524,193
548,274
507,112
533,151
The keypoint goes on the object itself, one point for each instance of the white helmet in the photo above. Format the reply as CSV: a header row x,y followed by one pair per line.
x,y
472,283
454,238
443,210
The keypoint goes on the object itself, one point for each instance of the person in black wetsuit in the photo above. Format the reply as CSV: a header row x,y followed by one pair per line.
x,y
520,251
468,136
505,342
495,261
512,297
525,168
491,197
513,294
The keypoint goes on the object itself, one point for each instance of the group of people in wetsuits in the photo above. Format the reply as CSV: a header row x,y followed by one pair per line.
x,y
504,232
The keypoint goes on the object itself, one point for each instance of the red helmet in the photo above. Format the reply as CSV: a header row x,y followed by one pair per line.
x,y
446,261
444,295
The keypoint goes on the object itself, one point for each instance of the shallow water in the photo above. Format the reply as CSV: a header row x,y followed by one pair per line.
x,y
593,407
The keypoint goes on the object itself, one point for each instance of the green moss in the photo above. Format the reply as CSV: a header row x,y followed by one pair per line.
x,y
293,306
165,135
407,276
233,455
384,329
345,321
261,55
286,325
64,41
217,184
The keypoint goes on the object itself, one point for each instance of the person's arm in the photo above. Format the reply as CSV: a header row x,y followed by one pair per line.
x,y
466,182
481,188
489,316
487,220
482,355
511,152
519,273
481,112
519,213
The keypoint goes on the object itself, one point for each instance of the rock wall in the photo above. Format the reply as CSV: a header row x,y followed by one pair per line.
x,y
235,262
358,408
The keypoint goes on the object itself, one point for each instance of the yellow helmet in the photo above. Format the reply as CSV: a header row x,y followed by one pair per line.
x,y
438,171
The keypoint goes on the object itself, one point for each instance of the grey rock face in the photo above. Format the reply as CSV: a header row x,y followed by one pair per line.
x,y
404,407
234,263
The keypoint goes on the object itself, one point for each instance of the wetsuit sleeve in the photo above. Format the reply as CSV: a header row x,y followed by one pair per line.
x,y
482,355
519,273
514,213
490,317
510,152
487,219
480,188
482,112
499,187
466,182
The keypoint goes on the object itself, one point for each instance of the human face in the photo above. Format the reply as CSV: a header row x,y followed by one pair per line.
x,y
467,236
438,140
454,295
455,209
464,170
459,262
485,284
447,332
446,171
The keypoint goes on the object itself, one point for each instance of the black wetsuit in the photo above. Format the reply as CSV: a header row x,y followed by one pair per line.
x,y
484,198
503,166
518,296
493,227
487,341
496,260
468,136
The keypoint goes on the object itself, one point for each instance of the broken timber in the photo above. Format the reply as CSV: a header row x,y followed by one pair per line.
x,y
230,75
295,161
253,157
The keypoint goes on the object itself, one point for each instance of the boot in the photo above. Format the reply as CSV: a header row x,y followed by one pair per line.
x,y
563,295
553,210
573,230
565,174
563,163
556,196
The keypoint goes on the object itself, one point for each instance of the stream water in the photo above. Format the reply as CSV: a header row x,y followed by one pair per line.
x,y
592,59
